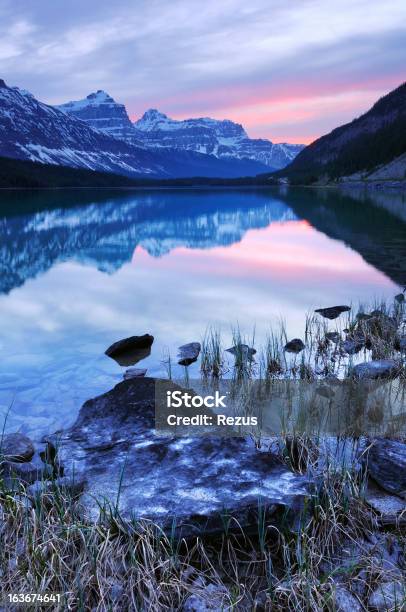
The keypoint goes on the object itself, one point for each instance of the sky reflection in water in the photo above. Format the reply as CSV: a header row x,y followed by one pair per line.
x,y
78,279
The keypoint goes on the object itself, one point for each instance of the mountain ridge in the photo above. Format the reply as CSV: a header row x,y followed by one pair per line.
x,y
33,131
225,139
356,149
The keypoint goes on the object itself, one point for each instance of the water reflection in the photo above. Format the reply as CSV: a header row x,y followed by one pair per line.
x,y
82,270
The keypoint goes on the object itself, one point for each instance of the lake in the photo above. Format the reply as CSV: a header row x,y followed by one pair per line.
x,y
82,269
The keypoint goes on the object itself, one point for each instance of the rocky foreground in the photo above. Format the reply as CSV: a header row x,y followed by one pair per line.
x,y
292,521
207,486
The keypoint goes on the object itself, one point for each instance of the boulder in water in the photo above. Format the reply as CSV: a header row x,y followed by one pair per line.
x,y
134,373
333,312
130,351
380,368
294,346
189,353
352,346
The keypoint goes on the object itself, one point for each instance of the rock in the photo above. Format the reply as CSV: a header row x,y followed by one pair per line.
x,y
134,373
386,464
74,486
27,472
388,596
384,503
191,480
400,298
211,598
333,312
333,336
242,352
188,353
131,350
325,391
373,370
16,447
352,346
344,601
294,346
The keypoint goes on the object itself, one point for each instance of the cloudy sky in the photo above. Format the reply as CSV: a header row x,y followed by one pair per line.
x,y
289,70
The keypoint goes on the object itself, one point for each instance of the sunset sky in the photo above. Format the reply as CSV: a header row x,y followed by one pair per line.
x,y
287,70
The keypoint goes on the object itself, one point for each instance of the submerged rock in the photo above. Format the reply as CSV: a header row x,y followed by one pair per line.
x,y
333,312
386,464
130,350
352,346
134,373
373,370
325,391
400,298
197,481
294,346
188,353
333,337
16,447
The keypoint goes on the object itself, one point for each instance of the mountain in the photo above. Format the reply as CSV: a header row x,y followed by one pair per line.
x,y
101,112
224,139
31,130
372,144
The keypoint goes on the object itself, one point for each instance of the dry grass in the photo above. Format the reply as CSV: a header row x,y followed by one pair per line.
x,y
48,546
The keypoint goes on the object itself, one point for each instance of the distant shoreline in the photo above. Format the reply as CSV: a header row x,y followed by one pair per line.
x,y
401,186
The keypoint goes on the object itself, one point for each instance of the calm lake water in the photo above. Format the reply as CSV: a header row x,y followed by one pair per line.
x,y
80,270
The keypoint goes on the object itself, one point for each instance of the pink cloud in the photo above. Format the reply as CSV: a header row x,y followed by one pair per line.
x,y
293,112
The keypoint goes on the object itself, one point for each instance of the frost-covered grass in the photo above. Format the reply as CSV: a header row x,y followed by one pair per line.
x,y
47,545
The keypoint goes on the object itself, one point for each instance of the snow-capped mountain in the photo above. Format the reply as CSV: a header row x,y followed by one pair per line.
x,y
35,131
224,139
101,112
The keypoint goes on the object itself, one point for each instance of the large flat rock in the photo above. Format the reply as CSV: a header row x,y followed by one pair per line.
x,y
386,464
197,481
